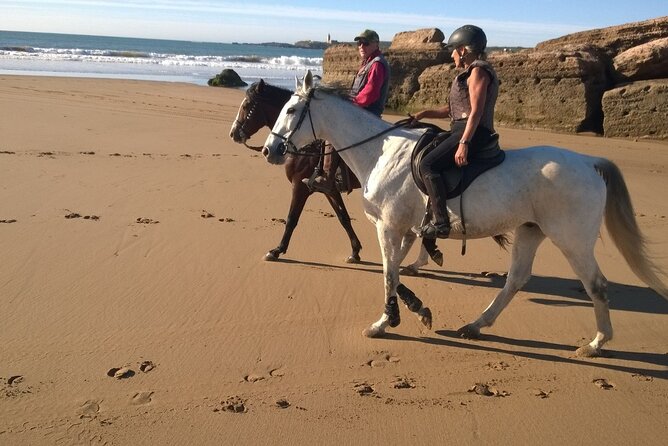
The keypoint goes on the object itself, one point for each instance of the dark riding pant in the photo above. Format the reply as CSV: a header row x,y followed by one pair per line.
x,y
443,155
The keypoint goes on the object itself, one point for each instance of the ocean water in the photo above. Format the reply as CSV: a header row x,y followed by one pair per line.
x,y
151,59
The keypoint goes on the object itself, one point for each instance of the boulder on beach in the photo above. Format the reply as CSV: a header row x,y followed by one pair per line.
x,y
227,78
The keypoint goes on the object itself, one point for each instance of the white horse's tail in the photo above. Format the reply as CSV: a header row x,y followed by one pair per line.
x,y
623,227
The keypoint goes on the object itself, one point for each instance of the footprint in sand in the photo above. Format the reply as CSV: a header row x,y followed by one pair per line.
x,y
233,404
141,398
363,389
382,359
487,390
277,373
403,383
253,378
120,372
282,404
146,221
85,217
146,366
603,383
89,409
206,214
11,220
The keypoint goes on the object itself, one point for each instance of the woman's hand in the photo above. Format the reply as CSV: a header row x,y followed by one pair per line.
x,y
461,155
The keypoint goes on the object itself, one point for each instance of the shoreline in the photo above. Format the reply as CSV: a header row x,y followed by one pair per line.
x,y
170,274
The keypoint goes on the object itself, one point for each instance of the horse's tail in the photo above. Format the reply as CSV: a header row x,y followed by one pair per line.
x,y
623,227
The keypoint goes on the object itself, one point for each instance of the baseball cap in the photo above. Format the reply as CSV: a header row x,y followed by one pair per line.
x,y
368,35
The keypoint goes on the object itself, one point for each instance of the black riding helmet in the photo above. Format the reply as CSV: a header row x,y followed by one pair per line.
x,y
468,35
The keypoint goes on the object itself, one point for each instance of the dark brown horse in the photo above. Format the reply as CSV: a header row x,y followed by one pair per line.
x,y
261,107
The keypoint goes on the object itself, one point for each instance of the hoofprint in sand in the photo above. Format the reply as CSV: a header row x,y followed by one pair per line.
x,y
171,272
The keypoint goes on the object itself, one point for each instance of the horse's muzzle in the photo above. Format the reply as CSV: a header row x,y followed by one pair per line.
x,y
274,157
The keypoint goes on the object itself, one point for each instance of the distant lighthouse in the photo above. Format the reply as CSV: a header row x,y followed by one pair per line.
x,y
329,39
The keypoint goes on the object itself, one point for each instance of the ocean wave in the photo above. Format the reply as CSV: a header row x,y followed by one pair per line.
x,y
138,57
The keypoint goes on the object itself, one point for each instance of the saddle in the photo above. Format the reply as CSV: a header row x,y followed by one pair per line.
x,y
456,179
345,179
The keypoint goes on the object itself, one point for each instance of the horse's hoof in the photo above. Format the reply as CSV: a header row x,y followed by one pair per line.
x,y
373,332
425,317
469,332
587,351
409,270
353,259
438,258
270,257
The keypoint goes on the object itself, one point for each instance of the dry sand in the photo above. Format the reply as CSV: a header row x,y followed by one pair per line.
x,y
163,267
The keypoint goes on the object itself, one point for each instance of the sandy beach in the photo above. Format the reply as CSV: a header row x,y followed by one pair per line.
x,y
133,231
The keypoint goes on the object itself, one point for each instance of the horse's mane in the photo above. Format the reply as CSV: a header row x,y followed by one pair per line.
x,y
269,93
333,90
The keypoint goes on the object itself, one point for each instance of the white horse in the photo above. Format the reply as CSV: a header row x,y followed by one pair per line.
x,y
536,192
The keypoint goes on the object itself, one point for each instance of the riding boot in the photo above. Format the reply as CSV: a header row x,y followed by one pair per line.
x,y
325,183
440,225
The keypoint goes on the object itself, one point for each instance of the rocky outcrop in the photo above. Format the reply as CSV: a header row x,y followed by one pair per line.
x,y
612,40
569,84
646,61
557,90
637,110
227,78
410,54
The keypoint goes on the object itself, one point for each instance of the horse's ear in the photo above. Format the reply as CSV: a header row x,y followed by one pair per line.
x,y
260,86
298,84
308,80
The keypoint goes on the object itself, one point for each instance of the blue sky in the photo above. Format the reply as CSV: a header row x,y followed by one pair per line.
x,y
506,22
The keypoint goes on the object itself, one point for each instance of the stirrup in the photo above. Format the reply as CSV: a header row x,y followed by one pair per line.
x,y
432,231
318,186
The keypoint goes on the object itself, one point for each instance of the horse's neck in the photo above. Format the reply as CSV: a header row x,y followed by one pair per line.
x,y
344,124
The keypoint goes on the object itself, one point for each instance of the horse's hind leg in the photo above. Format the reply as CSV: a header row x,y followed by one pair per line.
x,y
527,239
336,201
582,260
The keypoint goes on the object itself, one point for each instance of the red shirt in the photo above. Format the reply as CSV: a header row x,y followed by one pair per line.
x,y
376,76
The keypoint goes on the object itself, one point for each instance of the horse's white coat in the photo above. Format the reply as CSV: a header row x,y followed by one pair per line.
x,y
536,192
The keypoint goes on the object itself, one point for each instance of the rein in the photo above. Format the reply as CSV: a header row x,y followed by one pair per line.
x,y
292,150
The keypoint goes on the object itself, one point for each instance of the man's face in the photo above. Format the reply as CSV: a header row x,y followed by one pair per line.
x,y
366,48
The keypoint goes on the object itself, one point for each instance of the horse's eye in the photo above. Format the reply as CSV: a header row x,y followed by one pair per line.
x,y
290,111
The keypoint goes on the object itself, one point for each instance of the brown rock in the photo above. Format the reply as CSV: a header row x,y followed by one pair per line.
x,y
427,38
639,109
554,90
612,40
646,61
340,64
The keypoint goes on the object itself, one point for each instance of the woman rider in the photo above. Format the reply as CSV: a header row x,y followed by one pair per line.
x,y
471,109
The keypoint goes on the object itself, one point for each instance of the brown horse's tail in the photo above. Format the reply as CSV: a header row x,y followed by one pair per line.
x,y
623,228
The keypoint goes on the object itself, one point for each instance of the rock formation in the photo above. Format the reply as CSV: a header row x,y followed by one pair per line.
x,y
227,78
612,81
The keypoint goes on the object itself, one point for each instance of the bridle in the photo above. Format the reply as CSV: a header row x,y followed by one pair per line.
x,y
241,125
290,148
288,145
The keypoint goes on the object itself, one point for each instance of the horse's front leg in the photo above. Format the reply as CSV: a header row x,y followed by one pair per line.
x,y
300,194
394,247
336,201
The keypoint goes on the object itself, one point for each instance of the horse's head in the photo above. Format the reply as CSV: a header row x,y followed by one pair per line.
x,y
294,127
259,108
